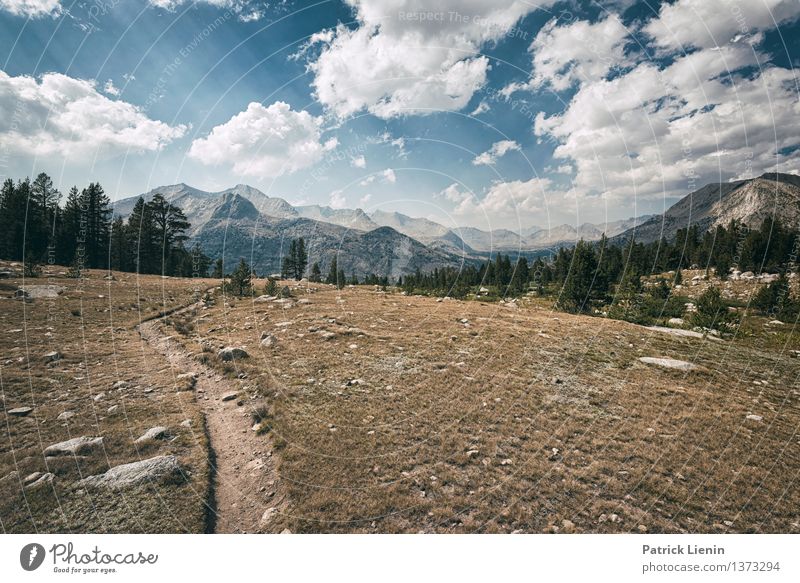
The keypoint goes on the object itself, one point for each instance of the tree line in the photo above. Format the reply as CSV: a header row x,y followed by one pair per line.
x,y
608,276
35,227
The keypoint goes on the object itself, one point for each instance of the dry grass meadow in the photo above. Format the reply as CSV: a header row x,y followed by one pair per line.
x,y
107,383
403,414
391,413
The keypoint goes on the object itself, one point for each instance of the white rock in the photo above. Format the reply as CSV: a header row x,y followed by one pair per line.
x,y
752,417
154,470
76,446
65,415
669,363
152,434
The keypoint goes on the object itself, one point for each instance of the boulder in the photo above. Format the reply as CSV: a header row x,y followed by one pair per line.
x,y
230,396
232,353
268,340
65,415
155,470
153,434
75,446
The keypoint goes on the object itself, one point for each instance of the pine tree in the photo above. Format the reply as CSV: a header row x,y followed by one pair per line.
x,y
217,273
316,274
289,263
69,236
333,273
301,259
577,290
98,222
240,284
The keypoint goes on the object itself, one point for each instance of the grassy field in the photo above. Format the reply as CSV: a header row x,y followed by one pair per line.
x,y
106,383
392,413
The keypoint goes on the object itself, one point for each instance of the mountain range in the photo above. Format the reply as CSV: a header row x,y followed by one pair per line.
x,y
244,222
748,201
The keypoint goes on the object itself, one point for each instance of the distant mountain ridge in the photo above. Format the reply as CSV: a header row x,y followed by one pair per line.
x,y
749,201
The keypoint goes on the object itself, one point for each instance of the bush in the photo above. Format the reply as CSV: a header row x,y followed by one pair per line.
x,y
712,312
271,287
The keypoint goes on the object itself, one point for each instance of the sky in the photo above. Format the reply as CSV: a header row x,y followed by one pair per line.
x,y
485,113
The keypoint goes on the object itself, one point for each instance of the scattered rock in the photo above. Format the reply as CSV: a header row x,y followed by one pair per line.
x,y
159,469
65,415
267,516
41,480
752,417
670,363
567,526
230,396
20,411
268,340
186,423
41,291
76,446
232,353
153,434
113,409
52,356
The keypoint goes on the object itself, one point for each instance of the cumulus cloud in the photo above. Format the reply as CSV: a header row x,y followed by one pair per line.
x,y
364,200
711,23
408,58
264,141
658,131
504,202
63,116
31,8
358,162
498,150
581,51
482,107
337,200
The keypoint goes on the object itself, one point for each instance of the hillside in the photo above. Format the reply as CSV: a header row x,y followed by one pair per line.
x,y
748,201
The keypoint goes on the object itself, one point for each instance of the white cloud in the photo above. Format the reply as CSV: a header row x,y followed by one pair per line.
x,y
109,89
31,8
454,194
405,58
483,107
713,23
364,200
579,52
245,10
337,200
62,116
657,132
358,162
498,150
264,141
387,176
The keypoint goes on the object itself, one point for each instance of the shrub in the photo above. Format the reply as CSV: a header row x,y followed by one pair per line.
x,y
712,312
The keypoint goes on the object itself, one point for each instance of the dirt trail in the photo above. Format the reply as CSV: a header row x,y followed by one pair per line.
x,y
245,496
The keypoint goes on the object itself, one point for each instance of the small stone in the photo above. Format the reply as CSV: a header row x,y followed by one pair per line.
x,y
52,356
230,353
752,417
153,434
20,411
568,526
63,416
42,480
230,396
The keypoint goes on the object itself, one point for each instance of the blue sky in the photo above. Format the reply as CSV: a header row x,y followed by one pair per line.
x,y
490,114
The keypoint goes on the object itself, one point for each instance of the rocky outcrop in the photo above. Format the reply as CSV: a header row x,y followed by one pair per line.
x,y
156,470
